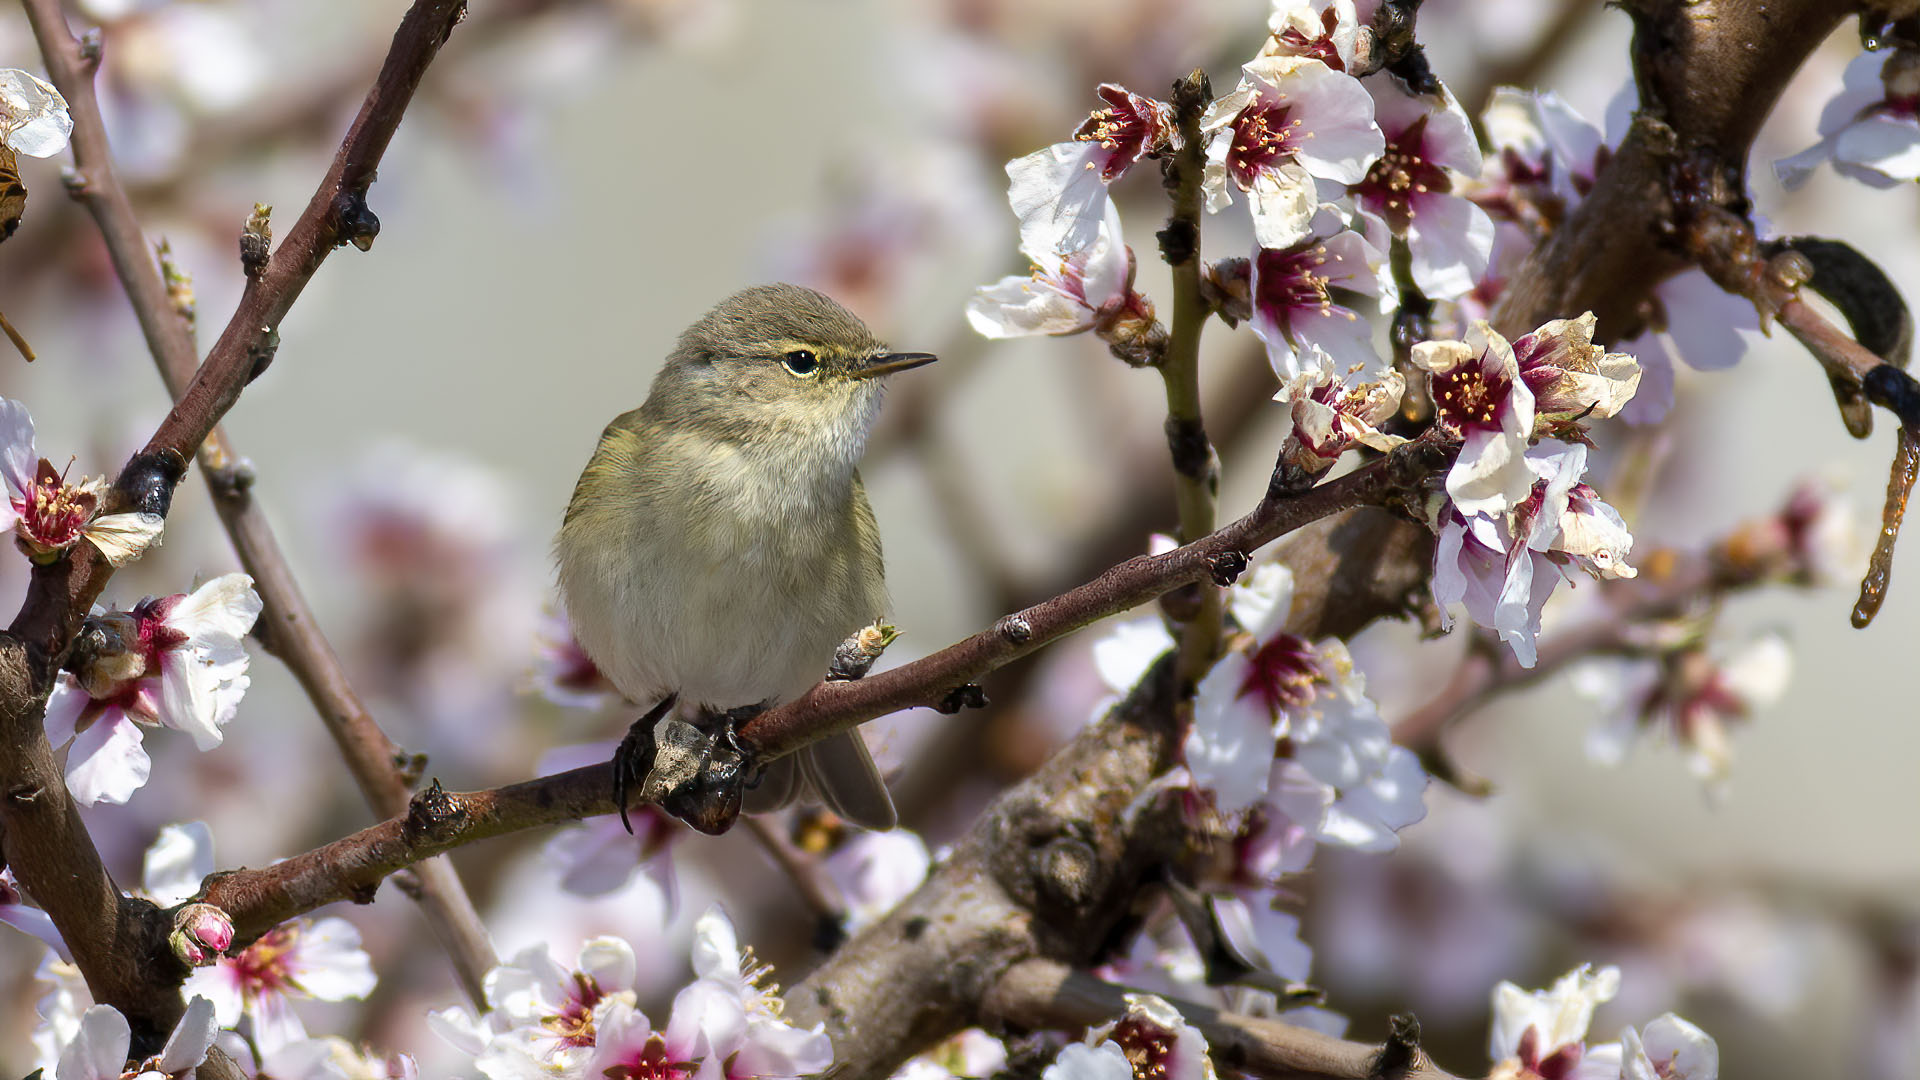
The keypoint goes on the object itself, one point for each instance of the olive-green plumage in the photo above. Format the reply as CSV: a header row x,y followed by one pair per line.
x,y
719,544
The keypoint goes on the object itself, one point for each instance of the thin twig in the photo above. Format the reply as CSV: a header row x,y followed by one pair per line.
x,y
809,880
1039,995
1196,467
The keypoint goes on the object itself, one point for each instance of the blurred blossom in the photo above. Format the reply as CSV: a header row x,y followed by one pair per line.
x,y
1409,191
1268,937
1669,1049
1542,1034
1870,131
876,870
1692,696
17,913
598,856
202,55
895,226
1294,310
563,673
319,959
1544,161
99,1049
436,541
175,662
328,1058
64,997
1292,121
969,1054
33,116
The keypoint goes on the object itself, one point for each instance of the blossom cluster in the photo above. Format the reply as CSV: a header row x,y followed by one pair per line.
x,y
546,1020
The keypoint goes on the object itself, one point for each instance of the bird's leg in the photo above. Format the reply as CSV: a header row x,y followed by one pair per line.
x,y
633,759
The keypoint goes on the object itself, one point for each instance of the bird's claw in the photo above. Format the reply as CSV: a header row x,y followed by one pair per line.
x,y
633,758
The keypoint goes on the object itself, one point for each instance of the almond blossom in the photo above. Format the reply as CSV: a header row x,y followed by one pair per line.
x,y
17,913
1501,568
176,661
1410,192
1569,376
33,116
320,959
1061,191
98,1050
1294,309
49,514
1157,1041
1541,1035
1870,132
876,870
1669,1049
1090,288
1330,414
1479,396
1326,30
1291,121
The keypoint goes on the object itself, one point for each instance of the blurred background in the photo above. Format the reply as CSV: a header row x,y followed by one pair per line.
x,y
580,180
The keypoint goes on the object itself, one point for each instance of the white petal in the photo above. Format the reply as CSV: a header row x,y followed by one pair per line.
x,y
1024,307
33,116
1760,671
1687,1052
187,698
1230,748
1058,195
64,706
1283,201
30,920
275,1025
328,962
1124,655
122,538
191,1038
224,608
1491,475
716,951
18,458
1450,241
179,860
1792,172
1078,1061
219,984
609,960
1704,321
1888,145
99,1050
106,762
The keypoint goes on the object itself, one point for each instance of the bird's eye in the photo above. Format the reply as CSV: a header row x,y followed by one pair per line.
x,y
801,362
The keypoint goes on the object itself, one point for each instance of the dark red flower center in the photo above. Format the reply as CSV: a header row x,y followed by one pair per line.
x,y
1402,174
52,514
1472,395
1289,281
651,1063
1263,138
1281,673
1148,1047
1129,128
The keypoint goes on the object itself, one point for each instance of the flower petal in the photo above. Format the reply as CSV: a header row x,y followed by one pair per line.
x,y
106,762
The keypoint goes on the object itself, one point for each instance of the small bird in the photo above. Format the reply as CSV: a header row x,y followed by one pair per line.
x,y
719,545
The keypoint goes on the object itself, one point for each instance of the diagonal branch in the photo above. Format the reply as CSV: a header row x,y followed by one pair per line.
x,y
438,821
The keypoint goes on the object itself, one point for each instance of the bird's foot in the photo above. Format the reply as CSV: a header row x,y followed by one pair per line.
x,y
634,757
700,775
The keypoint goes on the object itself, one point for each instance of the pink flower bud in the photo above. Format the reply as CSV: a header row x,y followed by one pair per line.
x,y
201,933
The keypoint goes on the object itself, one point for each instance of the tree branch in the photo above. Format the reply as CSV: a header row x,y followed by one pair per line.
x,y
438,821
1039,995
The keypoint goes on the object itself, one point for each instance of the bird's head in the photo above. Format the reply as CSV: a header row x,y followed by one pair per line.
x,y
778,362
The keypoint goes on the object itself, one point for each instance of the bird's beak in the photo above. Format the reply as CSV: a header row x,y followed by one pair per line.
x,y
888,363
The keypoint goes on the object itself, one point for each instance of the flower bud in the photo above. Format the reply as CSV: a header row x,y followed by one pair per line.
x,y
201,934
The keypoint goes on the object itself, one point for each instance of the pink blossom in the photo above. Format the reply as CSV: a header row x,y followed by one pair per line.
x,y
1410,192
1870,131
1294,310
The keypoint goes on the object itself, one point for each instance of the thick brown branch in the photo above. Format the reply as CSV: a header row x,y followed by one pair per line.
x,y
1039,995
